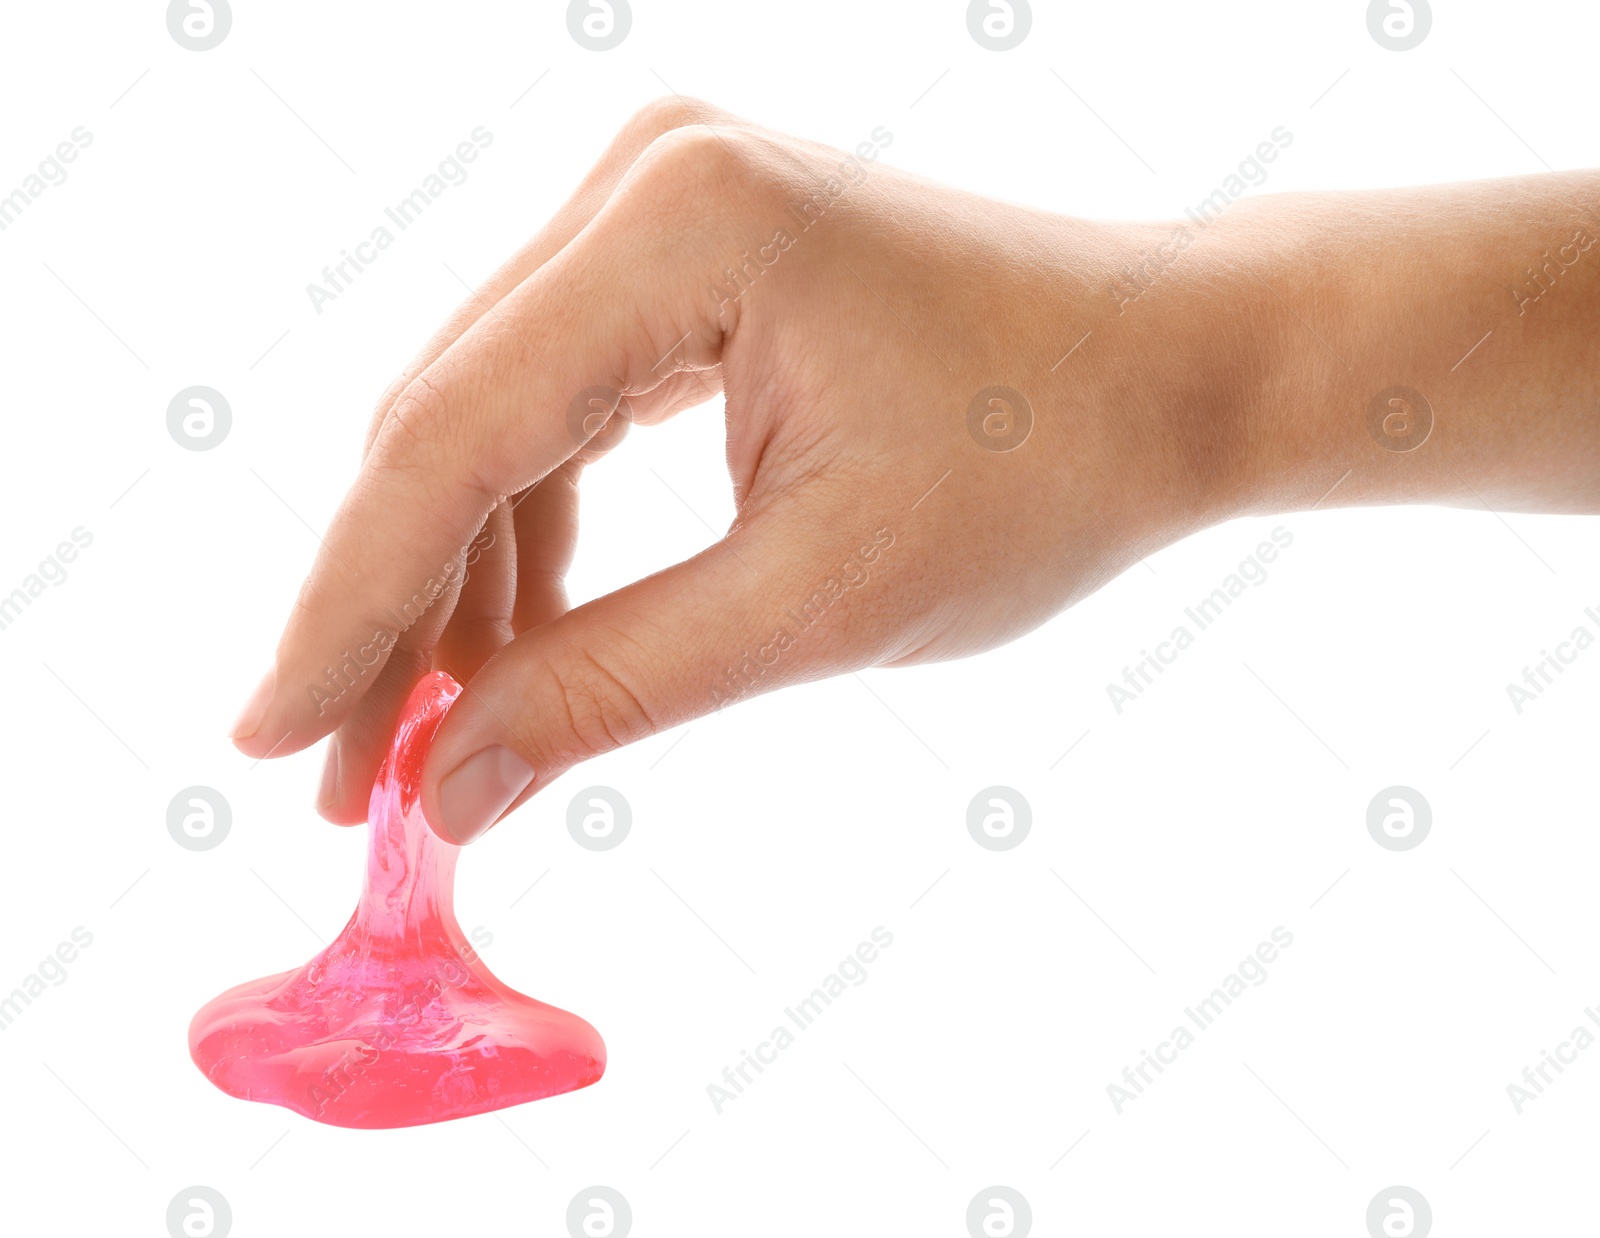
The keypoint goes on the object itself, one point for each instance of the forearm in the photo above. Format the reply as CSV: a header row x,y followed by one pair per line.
x,y
1481,299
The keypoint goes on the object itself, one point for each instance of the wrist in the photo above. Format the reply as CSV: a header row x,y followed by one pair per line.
x,y
1193,364
1385,356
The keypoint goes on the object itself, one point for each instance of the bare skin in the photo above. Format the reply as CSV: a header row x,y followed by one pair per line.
x,y
892,508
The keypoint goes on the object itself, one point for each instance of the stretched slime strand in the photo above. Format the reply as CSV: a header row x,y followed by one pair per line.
x,y
398,1022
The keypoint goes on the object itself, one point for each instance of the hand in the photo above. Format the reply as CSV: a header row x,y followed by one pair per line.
x,y
930,453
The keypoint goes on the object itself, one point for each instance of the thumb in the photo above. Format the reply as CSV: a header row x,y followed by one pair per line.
x,y
729,623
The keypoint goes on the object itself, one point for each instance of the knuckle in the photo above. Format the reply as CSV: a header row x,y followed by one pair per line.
x,y
694,166
601,710
420,414
426,438
667,113
380,413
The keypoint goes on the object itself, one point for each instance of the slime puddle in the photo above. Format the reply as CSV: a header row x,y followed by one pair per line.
x,y
398,1022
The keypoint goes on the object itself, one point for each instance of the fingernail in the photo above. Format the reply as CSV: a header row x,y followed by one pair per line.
x,y
329,791
255,709
475,793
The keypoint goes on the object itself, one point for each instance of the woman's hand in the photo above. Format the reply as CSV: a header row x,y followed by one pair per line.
x,y
947,420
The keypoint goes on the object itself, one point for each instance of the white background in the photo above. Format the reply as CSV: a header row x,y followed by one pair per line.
x,y
979,1049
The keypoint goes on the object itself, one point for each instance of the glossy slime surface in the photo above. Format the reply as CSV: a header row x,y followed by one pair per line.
x,y
398,1022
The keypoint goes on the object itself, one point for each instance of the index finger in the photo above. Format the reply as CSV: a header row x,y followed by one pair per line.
x,y
489,417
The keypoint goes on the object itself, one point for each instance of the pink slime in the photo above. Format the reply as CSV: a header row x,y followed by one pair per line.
x,y
398,1022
